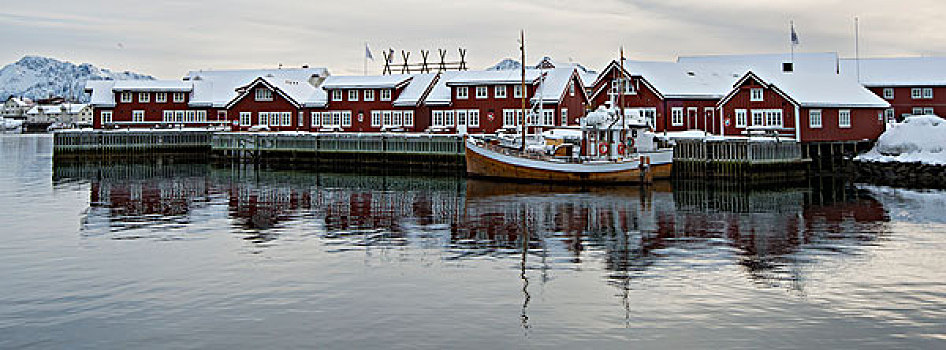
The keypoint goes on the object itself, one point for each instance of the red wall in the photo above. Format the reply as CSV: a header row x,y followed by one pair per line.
x,y
864,125
248,103
903,103
365,107
770,100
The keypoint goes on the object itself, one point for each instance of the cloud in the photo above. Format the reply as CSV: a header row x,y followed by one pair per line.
x,y
169,38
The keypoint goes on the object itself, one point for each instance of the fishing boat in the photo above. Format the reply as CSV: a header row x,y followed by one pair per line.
x,y
611,146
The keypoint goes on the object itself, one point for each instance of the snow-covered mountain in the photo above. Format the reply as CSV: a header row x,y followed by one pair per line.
x,y
40,77
505,64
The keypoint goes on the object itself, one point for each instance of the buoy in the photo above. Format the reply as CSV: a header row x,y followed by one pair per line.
x,y
603,148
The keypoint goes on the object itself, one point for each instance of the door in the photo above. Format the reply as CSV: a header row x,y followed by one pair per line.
x,y
692,117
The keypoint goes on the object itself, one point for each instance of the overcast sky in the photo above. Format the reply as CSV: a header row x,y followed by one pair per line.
x,y
167,38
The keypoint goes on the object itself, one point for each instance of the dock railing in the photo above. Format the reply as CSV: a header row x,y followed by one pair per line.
x,y
374,143
737,157
98,141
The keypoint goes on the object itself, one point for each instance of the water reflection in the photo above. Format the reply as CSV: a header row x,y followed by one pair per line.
x,y
699,225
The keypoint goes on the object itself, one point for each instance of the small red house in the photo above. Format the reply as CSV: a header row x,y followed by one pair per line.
x,y
804,107
912,85
373,103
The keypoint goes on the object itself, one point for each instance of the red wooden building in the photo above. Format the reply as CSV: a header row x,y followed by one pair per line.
x,y
389,103
912,85
805,107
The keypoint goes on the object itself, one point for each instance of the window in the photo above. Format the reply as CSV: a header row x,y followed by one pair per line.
x,y
548,117
473,118
517,91
571,89
461,117
917,110
202,116
326,118
126,97
222,115
246,118
927,93
336,95
676,116
264,94
316,119
481,92
928,111
500,91
353,95
168,116
564,116
262,118
191,117
179,116
448,118
397,118
386,118
408,118
889,114
375,118
161,97
888,93
463,92
138,116
286,118
106,117
758,118
437,118
178,97
741,120
617,84
346,118
844,118
144,97
336,118
385,94
369,95
755,94
773,117
916,93
814,118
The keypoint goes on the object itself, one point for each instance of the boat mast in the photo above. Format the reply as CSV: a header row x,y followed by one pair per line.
x,y
522,49
623,80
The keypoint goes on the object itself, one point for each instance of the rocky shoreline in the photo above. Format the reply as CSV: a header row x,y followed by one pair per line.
x,y
901,174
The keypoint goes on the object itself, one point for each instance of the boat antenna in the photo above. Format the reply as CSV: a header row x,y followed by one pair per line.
x,y
522,66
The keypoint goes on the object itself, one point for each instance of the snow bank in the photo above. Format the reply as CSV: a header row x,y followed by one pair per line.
x,y
919,139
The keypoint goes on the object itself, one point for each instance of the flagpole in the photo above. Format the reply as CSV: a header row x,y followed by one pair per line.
x,y
366,58
857,49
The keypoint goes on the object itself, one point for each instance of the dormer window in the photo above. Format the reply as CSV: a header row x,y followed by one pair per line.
x,y
755,94
264,94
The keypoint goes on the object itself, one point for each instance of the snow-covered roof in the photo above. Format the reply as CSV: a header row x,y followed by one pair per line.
x,y
822,90
805,62
101,92
588,78
366,82
416,89
74,108
554,84
45,109
217,88
440,94
152,85
902,71
676,80
300,92
487,77
21,101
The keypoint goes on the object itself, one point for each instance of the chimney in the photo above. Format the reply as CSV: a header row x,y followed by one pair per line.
x,y
788,67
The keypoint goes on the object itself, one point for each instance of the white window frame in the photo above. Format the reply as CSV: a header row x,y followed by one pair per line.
x,y
106,117
916,93
564,116
676,116
888,93
386,118
376,119
178,97
167,116
928,111
346,118
408,118
889,114
758,117
353,95
222,115
262,94
337,95
571,88
262,118
461,116
815,119
742,118
548,117
316,119
179,116
436,119
202,116
397,118
368,95
246,118
517,91
482,92
386,94
326,119
927,93
190,116
463,92
448,118
499,91
144,97
286,118
125,97
844,118
756,95
160,97
138,116
509,118
473,118
917,111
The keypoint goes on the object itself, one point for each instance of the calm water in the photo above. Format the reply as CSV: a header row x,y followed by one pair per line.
x,y
197,256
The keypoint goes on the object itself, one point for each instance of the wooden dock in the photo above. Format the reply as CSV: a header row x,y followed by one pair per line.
x,y
89,143
738,159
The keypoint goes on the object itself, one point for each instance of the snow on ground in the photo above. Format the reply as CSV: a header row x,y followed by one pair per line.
x,y
920,138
